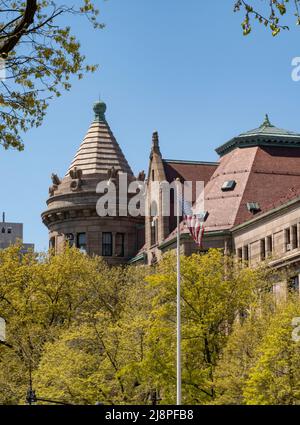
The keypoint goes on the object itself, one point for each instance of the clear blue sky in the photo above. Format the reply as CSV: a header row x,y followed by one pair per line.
x,y
181,67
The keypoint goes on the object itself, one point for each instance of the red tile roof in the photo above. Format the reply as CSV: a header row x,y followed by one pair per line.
x,y
269,176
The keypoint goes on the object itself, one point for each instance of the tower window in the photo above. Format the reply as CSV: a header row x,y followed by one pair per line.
x,y
120,237
153,231
81,241
52,243
107,244
70,238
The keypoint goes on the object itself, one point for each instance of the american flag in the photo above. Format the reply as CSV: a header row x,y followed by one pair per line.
x,y
194,222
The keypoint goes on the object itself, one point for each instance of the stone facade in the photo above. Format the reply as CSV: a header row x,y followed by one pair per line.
x,y
71,216
251,197
12,233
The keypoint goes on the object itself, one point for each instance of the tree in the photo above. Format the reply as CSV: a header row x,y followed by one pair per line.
x,y
40,55
214,291
122,357
100,357
275,376
239,354
89,333
40,296
270,15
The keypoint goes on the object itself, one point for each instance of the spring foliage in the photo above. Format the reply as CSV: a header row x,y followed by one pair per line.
x,y
87,332
40,52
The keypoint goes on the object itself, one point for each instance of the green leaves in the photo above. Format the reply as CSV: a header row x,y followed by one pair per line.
x,y
40,65
270,15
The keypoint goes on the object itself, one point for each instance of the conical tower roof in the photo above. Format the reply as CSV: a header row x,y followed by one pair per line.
x,y
99,151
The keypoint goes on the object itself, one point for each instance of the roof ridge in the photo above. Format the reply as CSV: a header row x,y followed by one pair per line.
x,y
182,161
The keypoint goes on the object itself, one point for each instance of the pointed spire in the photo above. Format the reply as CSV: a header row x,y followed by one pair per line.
x,y
155,143
266,122
99,151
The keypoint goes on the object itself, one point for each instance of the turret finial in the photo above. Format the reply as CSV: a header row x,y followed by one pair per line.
x,y
266,122
99,109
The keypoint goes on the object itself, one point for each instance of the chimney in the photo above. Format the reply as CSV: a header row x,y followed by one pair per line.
x,y
3,217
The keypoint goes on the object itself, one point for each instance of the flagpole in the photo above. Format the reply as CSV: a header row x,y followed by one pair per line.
x,y
178,306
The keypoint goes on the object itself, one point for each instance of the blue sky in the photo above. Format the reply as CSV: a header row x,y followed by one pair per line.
x,y
181,67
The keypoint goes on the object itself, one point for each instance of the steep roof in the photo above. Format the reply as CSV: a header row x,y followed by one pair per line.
x,y
99,151
189,170
262,175
265,135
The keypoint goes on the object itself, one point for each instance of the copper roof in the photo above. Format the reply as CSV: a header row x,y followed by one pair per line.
x,y
265,135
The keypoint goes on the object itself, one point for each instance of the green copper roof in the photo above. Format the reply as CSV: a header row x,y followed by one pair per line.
x,y
265,135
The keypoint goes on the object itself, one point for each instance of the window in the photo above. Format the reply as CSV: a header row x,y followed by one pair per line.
x,y
154,209
9,230
107,244
293,284
120,244
228,185
52,243
262,249
153,231
153,175
287,233
81,241
70,238
246,253
3,230
253,207
269,245
294,237
240,254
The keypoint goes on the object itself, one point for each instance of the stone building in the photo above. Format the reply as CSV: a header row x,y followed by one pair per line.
x,y
71,214
251,196
12,233
252,200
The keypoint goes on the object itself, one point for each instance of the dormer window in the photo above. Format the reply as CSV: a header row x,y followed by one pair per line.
x,y
253,207
228,185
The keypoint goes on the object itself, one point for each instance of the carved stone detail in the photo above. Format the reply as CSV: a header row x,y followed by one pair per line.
x,y
141,176
76,176
112,173
56,182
